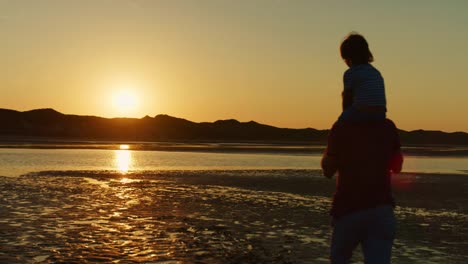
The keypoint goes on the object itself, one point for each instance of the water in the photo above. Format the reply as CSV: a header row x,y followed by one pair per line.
x,y
15,162
131,206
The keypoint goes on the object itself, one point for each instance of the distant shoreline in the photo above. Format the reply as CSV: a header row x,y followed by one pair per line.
x,y
254,147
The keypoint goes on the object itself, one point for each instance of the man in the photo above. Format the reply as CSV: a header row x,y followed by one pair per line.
x,y
364,155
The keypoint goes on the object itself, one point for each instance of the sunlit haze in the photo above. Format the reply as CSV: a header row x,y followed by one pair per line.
x,y
125,102
275,62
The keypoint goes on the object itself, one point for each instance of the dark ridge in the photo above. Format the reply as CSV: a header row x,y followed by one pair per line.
x,y
49,123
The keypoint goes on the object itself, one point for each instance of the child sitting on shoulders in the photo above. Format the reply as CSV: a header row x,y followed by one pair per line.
x,y
364,89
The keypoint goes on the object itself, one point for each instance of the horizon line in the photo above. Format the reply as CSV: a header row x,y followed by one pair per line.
x,y
235,119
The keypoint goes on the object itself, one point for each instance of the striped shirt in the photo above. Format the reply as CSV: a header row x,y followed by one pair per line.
x,y
366,84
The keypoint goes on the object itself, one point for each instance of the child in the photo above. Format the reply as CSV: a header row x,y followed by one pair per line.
x,y
364,90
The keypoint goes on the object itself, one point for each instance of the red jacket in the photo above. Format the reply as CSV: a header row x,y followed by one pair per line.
x,y
365,155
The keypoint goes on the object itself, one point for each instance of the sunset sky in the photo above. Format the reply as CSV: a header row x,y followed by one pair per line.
x,y
276,62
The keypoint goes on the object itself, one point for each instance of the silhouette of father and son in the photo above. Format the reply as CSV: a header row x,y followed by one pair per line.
x,y
364,148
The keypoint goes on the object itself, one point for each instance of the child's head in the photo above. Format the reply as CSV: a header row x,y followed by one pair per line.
x,y
355,50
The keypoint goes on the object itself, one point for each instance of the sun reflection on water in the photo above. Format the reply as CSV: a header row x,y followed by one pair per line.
x,y
125,180
123,160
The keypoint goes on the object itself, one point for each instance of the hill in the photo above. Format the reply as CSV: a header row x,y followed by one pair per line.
x,y
52,124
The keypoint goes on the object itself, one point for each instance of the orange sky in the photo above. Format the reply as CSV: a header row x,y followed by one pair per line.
x,y
275,62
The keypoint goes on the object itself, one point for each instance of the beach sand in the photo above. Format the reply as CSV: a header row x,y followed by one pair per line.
x,y
241,216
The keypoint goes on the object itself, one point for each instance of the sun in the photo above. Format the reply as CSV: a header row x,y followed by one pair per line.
x,y
125,102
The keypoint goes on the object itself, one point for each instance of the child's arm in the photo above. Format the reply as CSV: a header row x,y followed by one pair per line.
x,y
347,96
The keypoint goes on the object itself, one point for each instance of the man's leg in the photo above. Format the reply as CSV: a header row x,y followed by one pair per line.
x,y
348,232
377,246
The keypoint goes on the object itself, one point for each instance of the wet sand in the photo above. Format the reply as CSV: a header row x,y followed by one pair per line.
x,y
244,216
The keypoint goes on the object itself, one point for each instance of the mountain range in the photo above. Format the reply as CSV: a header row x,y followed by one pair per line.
x,y
49,123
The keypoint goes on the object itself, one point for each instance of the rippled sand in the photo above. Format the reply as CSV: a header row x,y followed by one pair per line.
x,y
278,216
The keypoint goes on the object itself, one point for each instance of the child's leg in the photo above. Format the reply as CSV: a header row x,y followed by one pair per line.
x,y
355,116
347,114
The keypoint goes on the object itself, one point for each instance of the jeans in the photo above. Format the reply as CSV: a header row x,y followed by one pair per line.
x,y
373,228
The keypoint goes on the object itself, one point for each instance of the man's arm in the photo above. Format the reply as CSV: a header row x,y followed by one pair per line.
x,y
396,162
329,160
329,164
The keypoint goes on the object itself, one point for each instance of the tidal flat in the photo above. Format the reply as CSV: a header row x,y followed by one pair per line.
x,y
212,216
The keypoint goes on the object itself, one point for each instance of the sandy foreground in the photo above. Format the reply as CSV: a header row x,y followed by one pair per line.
x,y
243,216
